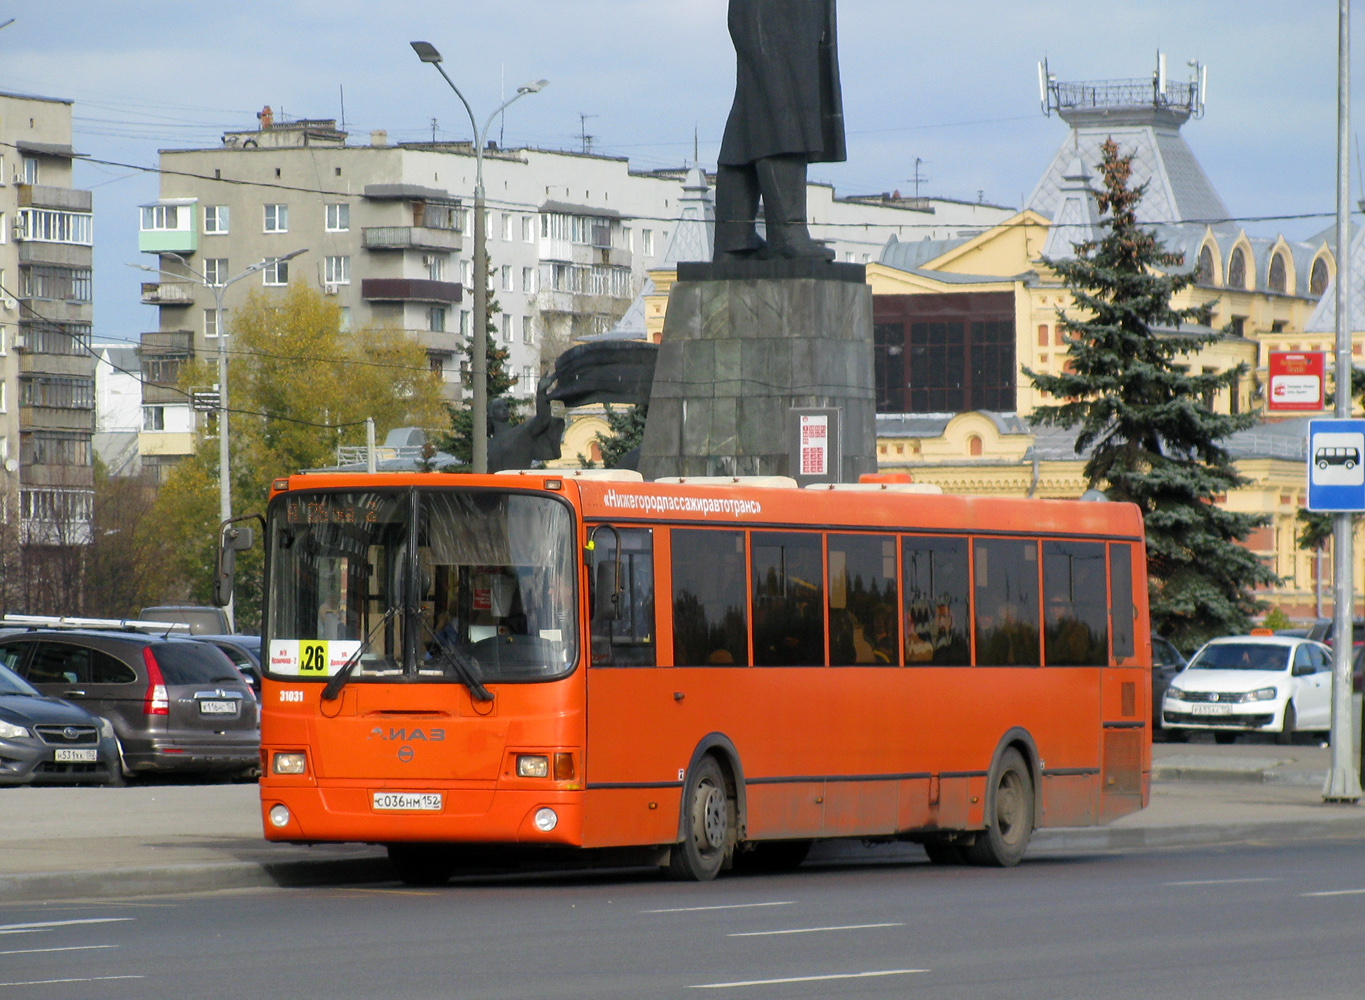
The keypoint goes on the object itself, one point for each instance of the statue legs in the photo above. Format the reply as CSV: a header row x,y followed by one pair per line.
x,y
781,180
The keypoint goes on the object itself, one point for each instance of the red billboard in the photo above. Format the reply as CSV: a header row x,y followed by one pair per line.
x,y
1296,381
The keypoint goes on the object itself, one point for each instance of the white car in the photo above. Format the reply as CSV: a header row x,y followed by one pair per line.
x,y
1252,683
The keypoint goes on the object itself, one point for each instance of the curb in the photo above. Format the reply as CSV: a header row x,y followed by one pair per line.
x,y
1239,776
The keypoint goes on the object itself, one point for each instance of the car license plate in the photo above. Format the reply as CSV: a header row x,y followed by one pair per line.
x,y
408,801
1211,709
218,708
78,756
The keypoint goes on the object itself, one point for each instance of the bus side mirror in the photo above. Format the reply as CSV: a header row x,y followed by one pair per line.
x,y
607,593
231,540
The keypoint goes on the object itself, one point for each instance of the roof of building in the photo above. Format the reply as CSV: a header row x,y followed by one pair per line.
x,y
61,149
911,255
36,97
1324,317
406,192
1077,218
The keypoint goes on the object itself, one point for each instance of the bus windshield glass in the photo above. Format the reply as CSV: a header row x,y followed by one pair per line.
x,y
431,584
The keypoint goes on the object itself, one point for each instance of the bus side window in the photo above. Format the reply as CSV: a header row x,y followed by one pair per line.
x,y
1121,598
627,641
710,620
1077,627
862,600
934,591
1005,574
789,600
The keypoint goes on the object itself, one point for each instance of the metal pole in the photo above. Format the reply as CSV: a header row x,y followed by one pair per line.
x,y
369,445
1343,780
224,477
478,355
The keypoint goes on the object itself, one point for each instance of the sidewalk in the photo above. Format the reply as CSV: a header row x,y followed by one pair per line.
x,y
65,843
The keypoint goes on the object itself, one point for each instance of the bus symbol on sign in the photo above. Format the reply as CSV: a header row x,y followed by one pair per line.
x,y
1348,457
1336,475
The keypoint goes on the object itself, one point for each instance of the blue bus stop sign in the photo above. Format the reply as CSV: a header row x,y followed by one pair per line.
x,y
1336,475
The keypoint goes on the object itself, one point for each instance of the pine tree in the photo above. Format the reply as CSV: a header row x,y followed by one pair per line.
x,y
627,431
1151,438
460,442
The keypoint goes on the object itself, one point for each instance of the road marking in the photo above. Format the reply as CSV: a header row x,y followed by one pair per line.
x,y
732,906
814,930
35,930
1224,881
1336,892
43,924
74,947
91,979
806,979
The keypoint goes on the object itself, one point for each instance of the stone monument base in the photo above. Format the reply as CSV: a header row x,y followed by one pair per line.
x,y
738,353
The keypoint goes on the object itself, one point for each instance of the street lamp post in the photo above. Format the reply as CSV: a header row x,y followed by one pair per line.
x,y
478,358
218,290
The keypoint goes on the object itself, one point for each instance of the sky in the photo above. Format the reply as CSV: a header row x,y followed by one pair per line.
x,y
954,85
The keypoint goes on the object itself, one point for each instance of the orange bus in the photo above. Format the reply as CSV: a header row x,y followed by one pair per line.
x,y
708,674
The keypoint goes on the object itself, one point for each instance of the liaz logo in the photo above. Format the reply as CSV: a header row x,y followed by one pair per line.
x,y
399,735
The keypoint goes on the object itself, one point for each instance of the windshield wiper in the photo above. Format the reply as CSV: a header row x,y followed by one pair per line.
x,y
465,666
338,681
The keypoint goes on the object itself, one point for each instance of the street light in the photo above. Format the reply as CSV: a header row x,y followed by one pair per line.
x,y
218,290
478,361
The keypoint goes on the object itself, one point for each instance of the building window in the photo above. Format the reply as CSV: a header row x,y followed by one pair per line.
x,y
70,284
507,329
528,229
338,218
276,272
528,330
467,273
211,322
527,377
216,219
436,319
1203,272
506,228
1276,279
156,218
1317,278
1042,334
57,392
464,322
1237,269
276,219
647,242
438,367
506,277
345,324
47,226
974,446
628,238
153,418
216,271
163,369
337,271
528,280
44,337
30,174
436,267
55,448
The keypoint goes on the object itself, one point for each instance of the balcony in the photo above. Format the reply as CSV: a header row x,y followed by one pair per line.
x,y
409,290
411,238
167,293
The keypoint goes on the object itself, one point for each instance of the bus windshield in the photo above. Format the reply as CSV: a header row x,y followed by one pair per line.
x,y
433,583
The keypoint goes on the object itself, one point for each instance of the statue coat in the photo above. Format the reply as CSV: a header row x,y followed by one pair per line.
x,y
787,95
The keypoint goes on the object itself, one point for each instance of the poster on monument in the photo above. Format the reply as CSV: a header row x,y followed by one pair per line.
x,y
814,445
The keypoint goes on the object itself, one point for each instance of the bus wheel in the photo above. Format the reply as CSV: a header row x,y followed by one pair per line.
x,y
1002,844
773,856
707,825
422,864
944,852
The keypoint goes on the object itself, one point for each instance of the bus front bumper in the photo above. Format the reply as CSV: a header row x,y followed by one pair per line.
x,y
351,812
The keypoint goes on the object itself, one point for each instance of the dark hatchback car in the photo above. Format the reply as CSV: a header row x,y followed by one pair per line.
x,y
43,740
1166,663
176,704
245,653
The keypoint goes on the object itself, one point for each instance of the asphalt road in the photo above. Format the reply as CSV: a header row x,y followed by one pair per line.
x,y
1241,922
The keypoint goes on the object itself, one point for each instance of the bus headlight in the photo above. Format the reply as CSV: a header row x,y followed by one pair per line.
x,y
534,765
546,819
279,816
289,763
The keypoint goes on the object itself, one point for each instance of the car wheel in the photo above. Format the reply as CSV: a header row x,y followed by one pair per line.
x,y
422,864
1003,843
708,825
1285,736
1224,739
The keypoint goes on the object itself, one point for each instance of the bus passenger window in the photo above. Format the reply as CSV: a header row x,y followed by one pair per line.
x,y
862,600
1077,631
935,603
1121,597
1006,579
627,641
710,627
789,603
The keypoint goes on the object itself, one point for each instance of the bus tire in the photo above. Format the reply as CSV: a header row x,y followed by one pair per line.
x,y
1003,843
708,824
422,864
768,856
944,852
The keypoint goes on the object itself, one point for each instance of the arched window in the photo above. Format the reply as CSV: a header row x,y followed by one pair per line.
x,y
1276,281
1317,280
1203,272
973,445
1237,269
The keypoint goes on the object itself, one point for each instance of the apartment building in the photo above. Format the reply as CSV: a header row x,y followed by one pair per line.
x,y
389,233
47,386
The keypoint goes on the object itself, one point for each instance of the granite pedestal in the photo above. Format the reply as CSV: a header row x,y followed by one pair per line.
x,y
740,349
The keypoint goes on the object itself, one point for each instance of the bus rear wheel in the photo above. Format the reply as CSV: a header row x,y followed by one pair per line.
x,y
708,825
1003,843
422,864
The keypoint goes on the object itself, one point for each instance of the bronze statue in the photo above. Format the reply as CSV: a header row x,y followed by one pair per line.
x,y
535,439
788,113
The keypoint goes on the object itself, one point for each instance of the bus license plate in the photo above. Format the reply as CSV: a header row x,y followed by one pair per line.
x,y
407,801
79,756
218,708
1210,709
